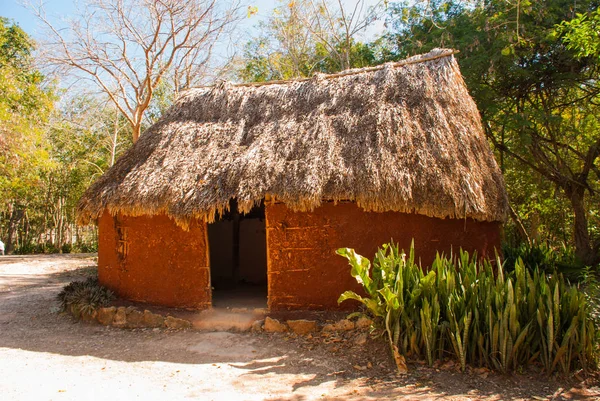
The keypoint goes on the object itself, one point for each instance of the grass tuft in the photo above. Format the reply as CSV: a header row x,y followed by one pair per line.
x,y
84,297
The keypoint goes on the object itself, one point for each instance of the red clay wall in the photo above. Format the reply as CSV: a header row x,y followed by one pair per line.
x,y
151,259
304,271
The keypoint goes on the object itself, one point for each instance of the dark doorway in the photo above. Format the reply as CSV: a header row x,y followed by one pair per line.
x,y
238,258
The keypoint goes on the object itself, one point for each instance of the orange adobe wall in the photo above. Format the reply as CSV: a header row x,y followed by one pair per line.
x,y
151,259
305,273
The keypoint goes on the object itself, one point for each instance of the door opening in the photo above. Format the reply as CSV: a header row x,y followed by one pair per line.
x,y
238,258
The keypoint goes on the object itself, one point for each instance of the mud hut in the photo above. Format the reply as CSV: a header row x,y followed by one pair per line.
x,y
250,188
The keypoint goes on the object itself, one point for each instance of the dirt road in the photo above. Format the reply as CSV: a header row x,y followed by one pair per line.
x,y
47,356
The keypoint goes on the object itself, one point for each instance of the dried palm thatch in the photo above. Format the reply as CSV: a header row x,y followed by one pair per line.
x,y
402,137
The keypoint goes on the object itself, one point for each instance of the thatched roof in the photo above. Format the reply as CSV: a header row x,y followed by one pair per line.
x,y
404,137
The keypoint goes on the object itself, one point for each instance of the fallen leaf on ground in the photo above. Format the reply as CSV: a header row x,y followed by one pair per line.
x,y
400,361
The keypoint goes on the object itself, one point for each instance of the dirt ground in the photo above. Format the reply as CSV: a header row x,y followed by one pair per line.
x,y
45,355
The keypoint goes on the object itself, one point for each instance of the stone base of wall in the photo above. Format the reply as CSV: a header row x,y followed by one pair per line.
x,y
132,318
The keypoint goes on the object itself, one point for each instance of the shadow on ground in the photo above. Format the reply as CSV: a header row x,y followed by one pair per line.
x,y
29,321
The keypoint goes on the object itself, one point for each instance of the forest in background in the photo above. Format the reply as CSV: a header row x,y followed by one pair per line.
x,y
532,68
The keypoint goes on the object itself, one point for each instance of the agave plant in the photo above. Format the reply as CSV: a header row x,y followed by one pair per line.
x,y
84,297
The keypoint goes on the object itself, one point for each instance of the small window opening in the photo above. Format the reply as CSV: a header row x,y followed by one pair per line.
x,y
122,242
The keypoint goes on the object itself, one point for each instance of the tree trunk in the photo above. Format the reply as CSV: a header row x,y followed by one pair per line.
x,y
60,225
136,131
519,224
13,224
115,138
26,227
581,236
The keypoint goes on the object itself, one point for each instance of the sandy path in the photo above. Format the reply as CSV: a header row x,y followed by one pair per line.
x,y
47,356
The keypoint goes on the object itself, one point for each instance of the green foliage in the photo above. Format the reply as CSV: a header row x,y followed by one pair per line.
x,y
84,247
547,259
286,48
264,61
80,144
84,297
581,34
590,282
31,247
25,104
388,291
538,98
476,312
48,156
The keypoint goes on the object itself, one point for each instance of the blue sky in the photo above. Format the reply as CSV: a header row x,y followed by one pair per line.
x,y
63,8
14,10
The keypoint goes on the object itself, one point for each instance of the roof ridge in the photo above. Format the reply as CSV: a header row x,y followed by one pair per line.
x,y
420,58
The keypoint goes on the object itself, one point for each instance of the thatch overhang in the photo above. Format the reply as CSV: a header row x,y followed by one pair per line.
x,y
403,136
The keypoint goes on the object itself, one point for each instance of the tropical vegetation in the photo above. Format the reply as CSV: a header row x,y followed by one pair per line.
x,y
474,312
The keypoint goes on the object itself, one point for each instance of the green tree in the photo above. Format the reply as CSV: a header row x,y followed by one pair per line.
x,y
582,34
538,98
303,37
48,155
26,102
86,135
